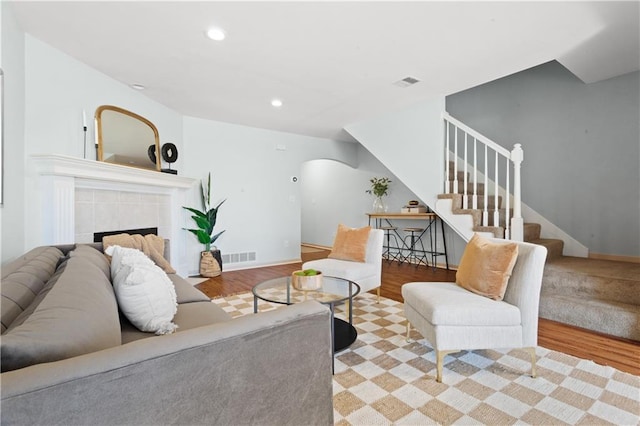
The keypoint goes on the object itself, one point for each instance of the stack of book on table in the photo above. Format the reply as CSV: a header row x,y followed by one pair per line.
x,y
414,207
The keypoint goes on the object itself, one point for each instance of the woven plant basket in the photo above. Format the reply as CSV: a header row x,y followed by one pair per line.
x,y
210,263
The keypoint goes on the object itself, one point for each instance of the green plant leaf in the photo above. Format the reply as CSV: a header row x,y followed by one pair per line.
x,y
202,236
195,211
215,237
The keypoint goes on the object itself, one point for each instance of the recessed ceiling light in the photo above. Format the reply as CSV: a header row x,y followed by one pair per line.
x,y
277,103
137,86
217,34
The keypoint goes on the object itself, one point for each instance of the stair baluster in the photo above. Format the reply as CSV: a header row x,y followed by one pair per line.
x,y
447,179
455,162
465,199
474,204
485,211
507,228
496,190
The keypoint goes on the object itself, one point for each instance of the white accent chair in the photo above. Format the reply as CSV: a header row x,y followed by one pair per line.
x,y
454,319
367,274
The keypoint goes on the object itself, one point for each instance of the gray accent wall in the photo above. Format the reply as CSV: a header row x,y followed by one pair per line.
x,y
581,144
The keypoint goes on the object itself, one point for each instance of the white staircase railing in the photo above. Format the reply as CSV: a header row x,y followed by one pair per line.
x,y
462,137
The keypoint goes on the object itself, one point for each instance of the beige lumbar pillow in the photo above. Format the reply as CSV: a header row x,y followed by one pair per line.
x,y
486,266
151,245
350,243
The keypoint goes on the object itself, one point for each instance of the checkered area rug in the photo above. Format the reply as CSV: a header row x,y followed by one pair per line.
x,y
382,379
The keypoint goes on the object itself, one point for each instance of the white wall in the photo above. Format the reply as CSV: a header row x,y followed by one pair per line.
x,y
57,89
14,221
410,142
334,193
48,92
262,209
262,214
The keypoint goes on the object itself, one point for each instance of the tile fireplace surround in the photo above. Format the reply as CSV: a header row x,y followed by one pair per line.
x,y
81,197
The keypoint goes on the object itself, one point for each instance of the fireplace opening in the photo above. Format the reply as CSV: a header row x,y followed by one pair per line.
x,y
97,236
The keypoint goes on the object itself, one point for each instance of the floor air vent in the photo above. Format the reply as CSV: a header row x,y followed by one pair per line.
x,y
249,256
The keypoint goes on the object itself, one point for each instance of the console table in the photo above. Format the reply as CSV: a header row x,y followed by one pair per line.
x,y
430,218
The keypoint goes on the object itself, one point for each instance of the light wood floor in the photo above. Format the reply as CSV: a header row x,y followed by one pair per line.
x,y
602,349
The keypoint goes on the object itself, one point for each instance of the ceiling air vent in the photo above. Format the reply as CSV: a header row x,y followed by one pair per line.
x,y
406,82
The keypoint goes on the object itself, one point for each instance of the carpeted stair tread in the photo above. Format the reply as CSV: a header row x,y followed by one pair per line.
x,y
599,295
595,267
554,247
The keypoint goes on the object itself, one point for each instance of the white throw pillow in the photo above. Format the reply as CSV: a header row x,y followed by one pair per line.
x,y
145,294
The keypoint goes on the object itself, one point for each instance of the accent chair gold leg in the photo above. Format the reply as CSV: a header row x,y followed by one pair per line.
x,y
532,352
439,358
408,329
378,293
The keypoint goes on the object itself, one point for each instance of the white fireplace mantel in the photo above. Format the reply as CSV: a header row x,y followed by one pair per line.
x,y
60,176
62,165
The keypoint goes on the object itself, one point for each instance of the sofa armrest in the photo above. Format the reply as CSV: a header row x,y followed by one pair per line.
x,y
269,368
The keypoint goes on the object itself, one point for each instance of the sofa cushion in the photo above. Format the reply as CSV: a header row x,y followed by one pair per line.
x,y
448,304
96,257
146,295
189,315
23,279
350,243
79,315
485,267
354,271
185,292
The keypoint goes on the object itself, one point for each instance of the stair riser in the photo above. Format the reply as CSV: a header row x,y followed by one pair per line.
x,y
531,231
502,213
460,176
554,249
480,201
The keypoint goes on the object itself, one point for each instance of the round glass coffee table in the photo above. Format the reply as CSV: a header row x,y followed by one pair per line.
x,y
333,291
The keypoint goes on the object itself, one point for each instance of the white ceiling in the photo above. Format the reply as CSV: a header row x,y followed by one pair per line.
x,y
332,63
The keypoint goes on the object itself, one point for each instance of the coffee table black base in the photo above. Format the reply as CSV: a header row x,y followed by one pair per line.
x,y
344,334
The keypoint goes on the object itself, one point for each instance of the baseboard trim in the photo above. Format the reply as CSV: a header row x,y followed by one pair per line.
x,y
618,258
316,246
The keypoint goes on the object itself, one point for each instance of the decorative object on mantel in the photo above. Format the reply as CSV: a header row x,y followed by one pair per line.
x,y
84,136
170,155
123,137
379,188
210,260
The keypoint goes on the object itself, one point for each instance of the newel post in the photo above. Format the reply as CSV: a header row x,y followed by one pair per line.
x,y
517,223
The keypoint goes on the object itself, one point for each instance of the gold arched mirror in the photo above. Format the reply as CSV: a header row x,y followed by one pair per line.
x,y
126,138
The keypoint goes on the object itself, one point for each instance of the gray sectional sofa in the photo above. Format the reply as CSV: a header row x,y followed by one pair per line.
x,y
69,357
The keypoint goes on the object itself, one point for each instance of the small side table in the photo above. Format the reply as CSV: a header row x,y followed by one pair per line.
x,y
333,291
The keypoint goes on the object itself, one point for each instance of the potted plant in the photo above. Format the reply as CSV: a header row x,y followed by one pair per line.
x,y
306,280
210,260
379,188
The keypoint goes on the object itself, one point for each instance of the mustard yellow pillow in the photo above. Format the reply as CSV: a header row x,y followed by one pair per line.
x,y
486,266
350,243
